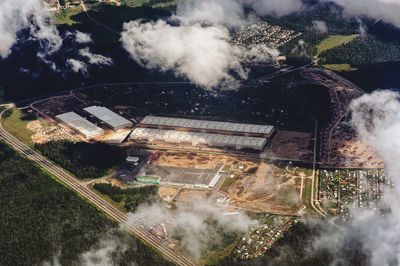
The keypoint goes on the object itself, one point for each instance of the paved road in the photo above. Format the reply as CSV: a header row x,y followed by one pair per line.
x,y
314,180
95,199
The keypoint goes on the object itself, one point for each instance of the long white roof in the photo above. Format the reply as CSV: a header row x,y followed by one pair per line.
x,y
198,138
108,116
204,124
81,124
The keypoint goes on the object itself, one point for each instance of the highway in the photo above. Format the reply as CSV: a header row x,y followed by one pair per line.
x,y
100,203
314,180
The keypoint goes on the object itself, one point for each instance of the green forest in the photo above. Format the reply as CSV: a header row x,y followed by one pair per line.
x,y
84,160
42,221
363,51
130,198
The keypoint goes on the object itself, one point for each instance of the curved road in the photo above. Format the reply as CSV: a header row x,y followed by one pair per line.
x,y
95,199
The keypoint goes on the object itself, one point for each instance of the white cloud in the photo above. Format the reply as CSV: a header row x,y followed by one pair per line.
x,y
192,223
95,59
16,15
275,7
376,117
201,54
77,66
83,38
229,13
319,26
387,10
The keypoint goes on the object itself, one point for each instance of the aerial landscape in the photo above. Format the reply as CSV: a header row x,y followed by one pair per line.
x,y
199,132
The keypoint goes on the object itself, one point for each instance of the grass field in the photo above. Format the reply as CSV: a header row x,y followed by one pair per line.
x,y
65,16
339,67
334,41
16,123
227,183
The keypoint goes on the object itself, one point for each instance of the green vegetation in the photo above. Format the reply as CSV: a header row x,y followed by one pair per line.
x,y
153,3
339,67
15,122
41,220
334,41
66,16
218,253
227,183
362,51
149,179
129,198
84,160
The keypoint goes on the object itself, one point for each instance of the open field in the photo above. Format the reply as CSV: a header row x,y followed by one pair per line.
x,y
166,192
16,123
188,160
348,151
292,145
271,189
334,41
190,196
339,67
44,131
65,16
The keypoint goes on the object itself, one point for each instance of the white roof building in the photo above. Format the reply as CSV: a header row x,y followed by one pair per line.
x,y
207,125
80,124
118,137
109,117
198,138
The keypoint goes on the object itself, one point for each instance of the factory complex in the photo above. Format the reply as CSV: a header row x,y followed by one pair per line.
x,y
107,116
98,115
206,125
80,125
194,132
197,138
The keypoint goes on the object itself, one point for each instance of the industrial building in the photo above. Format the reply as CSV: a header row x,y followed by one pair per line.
x,y
113,120
118,137
198,138
206,126
80,124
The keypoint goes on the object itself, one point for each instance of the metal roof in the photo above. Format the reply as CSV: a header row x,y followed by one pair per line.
x,y
81,124
205,124
108,116
198,138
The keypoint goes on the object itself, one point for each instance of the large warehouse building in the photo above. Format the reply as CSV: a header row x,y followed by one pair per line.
x,y
113,120
206,126
80,124
197,138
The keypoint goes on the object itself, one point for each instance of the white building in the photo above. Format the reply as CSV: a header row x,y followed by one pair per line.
x,y
197,138
80,124
206,125
113,120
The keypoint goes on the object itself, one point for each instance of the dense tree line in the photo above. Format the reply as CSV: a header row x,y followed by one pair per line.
x,y
363,51
132,197
85,160
42,221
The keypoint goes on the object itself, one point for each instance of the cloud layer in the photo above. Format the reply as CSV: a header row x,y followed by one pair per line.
x,y
387,10
202,54
198,225
374,234
16,15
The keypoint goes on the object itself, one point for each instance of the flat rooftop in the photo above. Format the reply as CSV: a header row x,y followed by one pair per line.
x,y
190,176
207,125
80,124
108,116
198,138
